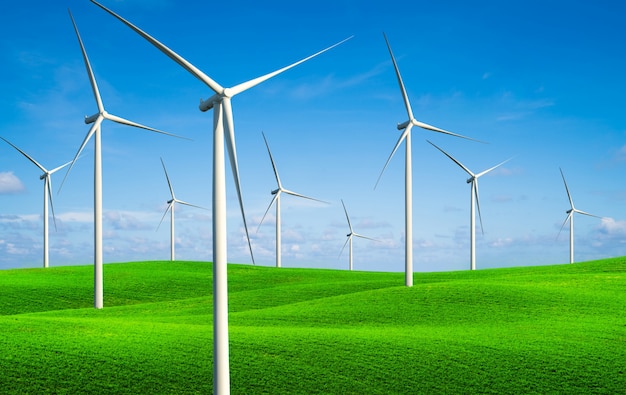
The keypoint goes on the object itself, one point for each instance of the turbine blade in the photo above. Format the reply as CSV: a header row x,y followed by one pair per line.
x,y
569,196
123,121
169,184
49,190
480,217
92,78
59,168
402,137
169,206
217,88
91,132
492,168
564,222
468,171
439,130
405,97
229,129
344,246
586,213
26,155
273,163
189,204
348,218
268,209
364,237
302,196
252,83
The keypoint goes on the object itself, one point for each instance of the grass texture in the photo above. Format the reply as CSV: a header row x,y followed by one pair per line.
x,y
549,329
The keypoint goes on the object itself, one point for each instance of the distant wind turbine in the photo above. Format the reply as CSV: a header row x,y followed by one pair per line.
x,y
570,217
170,208
351,234
406,127
95,131
223,126
47,196
474,202
277,192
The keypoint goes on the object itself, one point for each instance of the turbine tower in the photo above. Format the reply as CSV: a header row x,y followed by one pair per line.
x,y
570,217
406,127
277,192
47,197
350,235
474,202
95,132
223,129
170,208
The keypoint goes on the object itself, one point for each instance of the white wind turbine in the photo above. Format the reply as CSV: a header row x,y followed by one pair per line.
x,y
474,201
406,127
351,234
170,208
277,192
570,217
95,131
222,127
47,197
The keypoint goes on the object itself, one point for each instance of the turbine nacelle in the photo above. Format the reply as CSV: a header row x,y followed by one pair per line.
x,y
275,191
206,105
404,125
92,118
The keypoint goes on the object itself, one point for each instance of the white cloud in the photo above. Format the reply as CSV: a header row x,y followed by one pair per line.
x,y
611,227
9,183
121,220
75,216
502,198
501,242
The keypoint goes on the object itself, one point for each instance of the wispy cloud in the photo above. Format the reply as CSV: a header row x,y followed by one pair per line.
x,y
502,198
611,227
515,109
10,184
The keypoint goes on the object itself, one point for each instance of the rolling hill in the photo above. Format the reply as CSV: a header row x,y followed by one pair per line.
x,y
549,329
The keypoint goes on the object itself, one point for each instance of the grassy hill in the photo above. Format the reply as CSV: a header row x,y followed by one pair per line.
x,y
551,329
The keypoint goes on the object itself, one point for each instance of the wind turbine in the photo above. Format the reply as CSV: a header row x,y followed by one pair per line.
x,y
350,235
170,208
474,201
276,198
406,127
95,131
570,217
222,127
47,196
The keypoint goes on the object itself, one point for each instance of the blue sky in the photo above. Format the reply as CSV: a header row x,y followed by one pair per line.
x,y
540,81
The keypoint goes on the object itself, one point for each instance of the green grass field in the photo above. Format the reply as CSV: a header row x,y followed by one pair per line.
x,y
550,329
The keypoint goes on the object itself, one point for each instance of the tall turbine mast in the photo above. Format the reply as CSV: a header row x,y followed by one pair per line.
x,y
570,217
277,192
474,201
95,131
406,127
223,133
47,199
350,236
170,207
